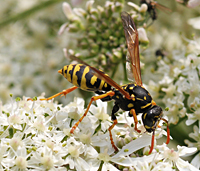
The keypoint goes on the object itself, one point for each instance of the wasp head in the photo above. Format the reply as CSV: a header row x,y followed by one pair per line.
x,y
152,117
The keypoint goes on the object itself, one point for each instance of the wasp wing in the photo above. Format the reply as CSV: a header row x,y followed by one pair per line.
x,y
161,7
102,76
132,42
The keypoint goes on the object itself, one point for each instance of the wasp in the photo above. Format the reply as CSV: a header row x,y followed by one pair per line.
x,y
152,6
132,97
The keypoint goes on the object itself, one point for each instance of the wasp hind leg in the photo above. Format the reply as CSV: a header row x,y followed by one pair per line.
x,y
113,117
94,98
63,93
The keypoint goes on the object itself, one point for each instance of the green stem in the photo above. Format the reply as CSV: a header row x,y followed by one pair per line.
x,y
41,5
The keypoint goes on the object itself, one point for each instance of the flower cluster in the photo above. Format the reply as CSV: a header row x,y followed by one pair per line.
x,y
177,87
180,81
100,32
36,135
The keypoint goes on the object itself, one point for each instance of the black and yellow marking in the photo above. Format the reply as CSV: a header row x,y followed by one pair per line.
x,y
146,106
131,88
82,76
130,105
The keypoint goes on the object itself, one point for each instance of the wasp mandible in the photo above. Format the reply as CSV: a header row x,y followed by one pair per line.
x,y
132,97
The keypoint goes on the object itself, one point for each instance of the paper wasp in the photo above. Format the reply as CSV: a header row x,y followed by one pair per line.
x,y
132,97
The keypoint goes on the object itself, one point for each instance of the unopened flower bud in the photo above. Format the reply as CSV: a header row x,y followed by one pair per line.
x,y
143,8
143,36
89,5
80,12
136,7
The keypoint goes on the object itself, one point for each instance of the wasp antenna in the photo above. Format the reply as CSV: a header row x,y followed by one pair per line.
x,y
168,131
152,142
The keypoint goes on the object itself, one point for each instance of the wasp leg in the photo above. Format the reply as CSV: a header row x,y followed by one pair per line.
x,y
113,117
168,131
63,93
105,99
132,112
94,98
152,142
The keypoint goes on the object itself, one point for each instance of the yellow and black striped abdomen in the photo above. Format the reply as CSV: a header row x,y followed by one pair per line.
x,y
82,76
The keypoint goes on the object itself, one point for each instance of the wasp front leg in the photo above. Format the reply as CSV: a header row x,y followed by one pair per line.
x,y
133,113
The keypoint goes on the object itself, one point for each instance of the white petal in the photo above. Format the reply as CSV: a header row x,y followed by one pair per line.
x,y
185,151
108,166
82,163
134,145
128,161
190,121
195,161
185,166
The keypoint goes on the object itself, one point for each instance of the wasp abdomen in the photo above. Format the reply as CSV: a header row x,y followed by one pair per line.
x,y
82,76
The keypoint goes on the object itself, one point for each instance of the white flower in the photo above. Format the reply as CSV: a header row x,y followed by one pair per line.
x,y
173,157
170,90
100,112
193,117
21,160
44,158
166,80
193,3
106,158
75,149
